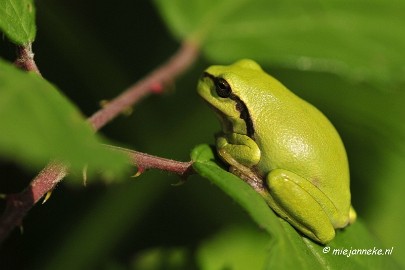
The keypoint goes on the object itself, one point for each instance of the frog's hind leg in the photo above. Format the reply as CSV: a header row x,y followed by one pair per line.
x,y
291,198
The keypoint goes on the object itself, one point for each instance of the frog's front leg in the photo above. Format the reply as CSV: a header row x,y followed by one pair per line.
x,y
241,153
302,204
237,148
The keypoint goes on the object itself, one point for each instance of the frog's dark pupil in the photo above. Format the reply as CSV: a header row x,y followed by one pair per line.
x,y
222,87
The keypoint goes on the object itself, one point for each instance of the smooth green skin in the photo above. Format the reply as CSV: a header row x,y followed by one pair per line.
x,y
294,148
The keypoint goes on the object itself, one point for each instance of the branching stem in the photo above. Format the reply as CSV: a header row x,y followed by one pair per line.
x,y
19,204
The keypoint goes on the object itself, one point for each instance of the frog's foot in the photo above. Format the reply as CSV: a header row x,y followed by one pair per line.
x,y
352,215
237,149
297,201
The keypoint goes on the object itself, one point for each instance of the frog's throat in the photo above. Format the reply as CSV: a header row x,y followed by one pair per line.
x,y
233,124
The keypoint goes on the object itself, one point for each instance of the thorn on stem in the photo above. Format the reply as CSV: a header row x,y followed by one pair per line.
x,y
84,175
139,172
126,111
47,196
179,183
103,103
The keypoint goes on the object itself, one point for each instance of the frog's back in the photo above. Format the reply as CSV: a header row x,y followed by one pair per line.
x,y
299,138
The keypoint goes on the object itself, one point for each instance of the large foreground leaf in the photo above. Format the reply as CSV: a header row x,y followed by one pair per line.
x,y
38,124
288,249
17,20
362,40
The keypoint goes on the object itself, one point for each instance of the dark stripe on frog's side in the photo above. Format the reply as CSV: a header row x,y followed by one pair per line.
x,y
240,107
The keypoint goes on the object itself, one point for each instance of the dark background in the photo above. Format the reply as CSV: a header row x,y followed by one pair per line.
x,y
92,50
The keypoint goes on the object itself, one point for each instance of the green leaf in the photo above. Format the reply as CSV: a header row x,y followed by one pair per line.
x,y
39,124
361,40
17,20
288,248
161,258
205,165
241,247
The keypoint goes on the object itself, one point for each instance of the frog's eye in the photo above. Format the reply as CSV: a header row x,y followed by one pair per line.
x,y
223,88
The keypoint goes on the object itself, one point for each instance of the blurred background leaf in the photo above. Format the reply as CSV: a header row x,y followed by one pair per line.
x,y
39,124
174,258
17,20
235,248
93,50
357,39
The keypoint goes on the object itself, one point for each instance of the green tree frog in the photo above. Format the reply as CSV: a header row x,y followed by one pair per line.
x,y
282,146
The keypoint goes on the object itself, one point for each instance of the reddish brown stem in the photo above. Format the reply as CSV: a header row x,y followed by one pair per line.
x,y
145,161
25,59
161,76
19,204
